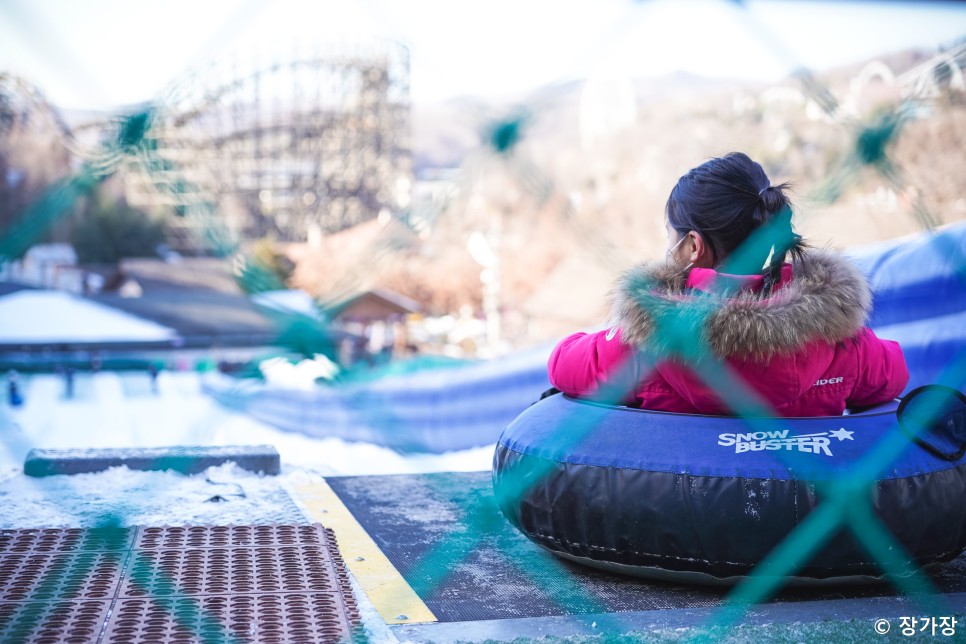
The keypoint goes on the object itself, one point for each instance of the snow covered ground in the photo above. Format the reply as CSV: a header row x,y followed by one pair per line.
x,y
121,410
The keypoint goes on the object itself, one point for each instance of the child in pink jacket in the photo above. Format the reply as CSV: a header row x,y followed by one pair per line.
x,y
791,335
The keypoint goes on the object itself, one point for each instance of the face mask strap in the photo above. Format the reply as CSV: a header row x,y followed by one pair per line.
x,y
669,254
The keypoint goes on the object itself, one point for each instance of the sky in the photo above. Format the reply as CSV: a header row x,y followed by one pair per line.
x,y
100,54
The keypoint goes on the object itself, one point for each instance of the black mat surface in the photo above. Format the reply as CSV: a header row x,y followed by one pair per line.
x,y
446,536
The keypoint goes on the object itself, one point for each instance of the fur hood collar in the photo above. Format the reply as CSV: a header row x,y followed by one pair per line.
x,y
827,300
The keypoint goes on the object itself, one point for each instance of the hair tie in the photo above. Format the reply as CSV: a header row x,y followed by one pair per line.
x,y
763,190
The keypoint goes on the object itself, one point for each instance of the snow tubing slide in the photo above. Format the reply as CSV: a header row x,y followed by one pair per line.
x,y
919,299
433,411
704,499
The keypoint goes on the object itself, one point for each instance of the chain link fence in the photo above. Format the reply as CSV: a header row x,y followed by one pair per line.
x,y
133,143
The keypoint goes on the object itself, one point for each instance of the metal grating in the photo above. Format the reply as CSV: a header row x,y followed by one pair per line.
x,y
216,571
275,617
31,576
244,536
274,583
53,621
66,540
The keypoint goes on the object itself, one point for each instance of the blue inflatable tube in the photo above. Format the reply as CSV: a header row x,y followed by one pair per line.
x,y
704,499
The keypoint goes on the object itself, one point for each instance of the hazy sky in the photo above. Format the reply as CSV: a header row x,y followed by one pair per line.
x,y
103,53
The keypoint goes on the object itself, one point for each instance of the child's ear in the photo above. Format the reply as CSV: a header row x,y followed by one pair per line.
x,y
701,255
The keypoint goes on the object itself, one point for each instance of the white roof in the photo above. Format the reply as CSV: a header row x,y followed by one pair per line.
x,y
48,317
57,253
288,301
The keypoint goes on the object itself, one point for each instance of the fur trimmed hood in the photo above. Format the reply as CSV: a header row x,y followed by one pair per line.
x,y
827,300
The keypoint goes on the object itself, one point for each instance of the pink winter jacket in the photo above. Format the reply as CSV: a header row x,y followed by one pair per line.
x,y
801,351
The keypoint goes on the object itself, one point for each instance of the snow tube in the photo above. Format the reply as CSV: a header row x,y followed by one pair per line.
x,y
704,499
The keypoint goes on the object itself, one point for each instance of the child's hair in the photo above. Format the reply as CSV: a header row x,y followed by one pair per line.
x,y
726,199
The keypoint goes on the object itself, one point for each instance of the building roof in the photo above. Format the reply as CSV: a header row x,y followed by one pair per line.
x,y
200,317
47,317
189,273
198,297
388,299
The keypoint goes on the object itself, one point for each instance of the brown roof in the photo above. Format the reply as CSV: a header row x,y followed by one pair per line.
x,y
382,298
189,273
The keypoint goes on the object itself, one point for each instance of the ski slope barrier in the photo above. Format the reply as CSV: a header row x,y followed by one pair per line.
x,y
435,410
919,300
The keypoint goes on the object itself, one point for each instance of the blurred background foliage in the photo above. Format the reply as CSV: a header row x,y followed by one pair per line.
x,y
108,229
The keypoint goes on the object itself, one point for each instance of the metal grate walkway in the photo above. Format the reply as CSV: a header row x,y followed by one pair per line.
x,y
266,583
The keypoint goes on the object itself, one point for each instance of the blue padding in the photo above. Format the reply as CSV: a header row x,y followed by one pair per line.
x,y
569,431
436,411
935,349
918,278
919,300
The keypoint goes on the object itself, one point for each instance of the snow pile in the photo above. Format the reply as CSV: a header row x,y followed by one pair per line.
x,y
223,495
303,376
294,302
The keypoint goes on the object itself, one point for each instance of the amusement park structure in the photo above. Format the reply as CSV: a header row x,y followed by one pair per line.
x,y
291,149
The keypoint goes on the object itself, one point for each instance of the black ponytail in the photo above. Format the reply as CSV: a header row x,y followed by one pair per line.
x,y
728,199
785,241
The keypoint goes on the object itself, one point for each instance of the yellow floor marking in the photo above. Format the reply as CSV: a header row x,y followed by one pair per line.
x,y
390,594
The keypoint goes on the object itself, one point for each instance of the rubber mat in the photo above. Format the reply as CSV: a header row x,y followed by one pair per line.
x,y
272,536
446,536
66,539
265,583
53,621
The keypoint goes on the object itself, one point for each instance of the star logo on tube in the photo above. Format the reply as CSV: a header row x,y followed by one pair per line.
x,y
841,434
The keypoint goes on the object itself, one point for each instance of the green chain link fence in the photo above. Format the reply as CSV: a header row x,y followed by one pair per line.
x,y
845,502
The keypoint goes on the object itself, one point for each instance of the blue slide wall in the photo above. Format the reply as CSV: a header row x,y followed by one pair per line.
x,y
919,291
